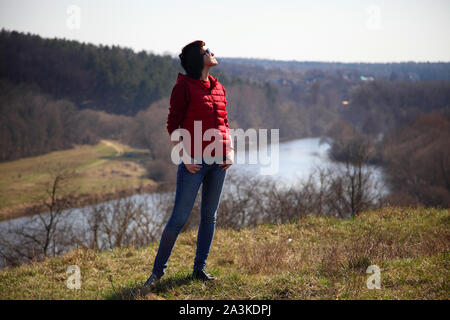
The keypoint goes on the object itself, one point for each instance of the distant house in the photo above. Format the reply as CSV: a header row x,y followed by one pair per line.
x,y
310,80
413,76
364,78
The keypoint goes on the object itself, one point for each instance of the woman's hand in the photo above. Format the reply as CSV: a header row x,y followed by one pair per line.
x,y
228,161
193,168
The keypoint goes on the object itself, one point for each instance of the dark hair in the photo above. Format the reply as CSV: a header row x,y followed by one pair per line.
x,y
192,59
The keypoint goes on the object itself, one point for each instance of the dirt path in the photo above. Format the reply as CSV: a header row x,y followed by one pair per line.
x,y
117,147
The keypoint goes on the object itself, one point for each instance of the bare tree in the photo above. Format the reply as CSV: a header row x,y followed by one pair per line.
x,y
125,221
351,185
44,234
417,160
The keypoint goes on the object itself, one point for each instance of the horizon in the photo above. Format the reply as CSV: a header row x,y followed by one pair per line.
x,y
223,57
364,31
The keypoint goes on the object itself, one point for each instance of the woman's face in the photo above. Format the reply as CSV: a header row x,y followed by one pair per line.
x,y
209,59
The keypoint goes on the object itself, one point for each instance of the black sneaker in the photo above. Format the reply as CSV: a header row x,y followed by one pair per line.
x,y
202,275
151,281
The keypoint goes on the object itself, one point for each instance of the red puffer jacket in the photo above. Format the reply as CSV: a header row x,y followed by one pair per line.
x,y
198,100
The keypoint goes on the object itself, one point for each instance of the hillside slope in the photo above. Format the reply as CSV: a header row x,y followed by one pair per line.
x,y
102,170
313,258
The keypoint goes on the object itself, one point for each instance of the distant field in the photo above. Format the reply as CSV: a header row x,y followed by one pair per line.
x,y
106,167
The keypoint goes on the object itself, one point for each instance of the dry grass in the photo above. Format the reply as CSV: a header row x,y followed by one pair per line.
x,y
313,258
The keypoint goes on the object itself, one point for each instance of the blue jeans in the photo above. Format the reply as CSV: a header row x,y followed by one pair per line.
x,y
212,176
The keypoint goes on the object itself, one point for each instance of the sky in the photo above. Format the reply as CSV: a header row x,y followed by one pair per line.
x,y
322,30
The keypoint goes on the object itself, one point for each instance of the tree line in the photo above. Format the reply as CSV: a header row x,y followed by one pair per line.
x,y
109,78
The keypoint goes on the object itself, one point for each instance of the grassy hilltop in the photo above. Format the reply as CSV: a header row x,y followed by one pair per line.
x,y
313,258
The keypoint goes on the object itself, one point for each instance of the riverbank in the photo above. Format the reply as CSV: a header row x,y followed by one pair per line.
x,y
312,258
76,201
105,171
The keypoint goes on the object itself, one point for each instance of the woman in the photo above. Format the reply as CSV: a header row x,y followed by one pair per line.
x,y
196,96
